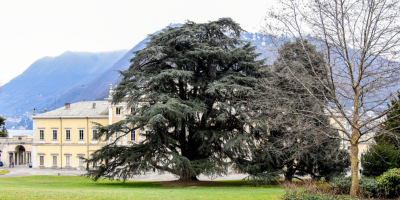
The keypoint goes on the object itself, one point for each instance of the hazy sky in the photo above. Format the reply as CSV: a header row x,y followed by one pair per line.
x,y
30,30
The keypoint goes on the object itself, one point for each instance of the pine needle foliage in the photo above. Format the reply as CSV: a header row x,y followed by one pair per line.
x,y
190,87
297,139
385,153
3,130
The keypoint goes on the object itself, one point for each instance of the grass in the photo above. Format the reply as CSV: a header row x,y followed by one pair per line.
x,y
75,187
4,172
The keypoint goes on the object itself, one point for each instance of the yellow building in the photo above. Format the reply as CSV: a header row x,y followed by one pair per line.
x,y
62,136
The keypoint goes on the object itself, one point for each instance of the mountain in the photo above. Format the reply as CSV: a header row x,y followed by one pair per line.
x,y
97,89
48,78
111,76
73,77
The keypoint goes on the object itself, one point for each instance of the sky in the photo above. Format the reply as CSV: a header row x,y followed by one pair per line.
x,y
30,30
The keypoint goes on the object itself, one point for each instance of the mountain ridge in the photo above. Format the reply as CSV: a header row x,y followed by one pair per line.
x,y
92,86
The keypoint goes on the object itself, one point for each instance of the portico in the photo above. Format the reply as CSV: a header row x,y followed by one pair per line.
x,y
16,150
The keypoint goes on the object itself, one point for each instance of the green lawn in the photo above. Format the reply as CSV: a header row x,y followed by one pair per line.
x,y
73,187
4,171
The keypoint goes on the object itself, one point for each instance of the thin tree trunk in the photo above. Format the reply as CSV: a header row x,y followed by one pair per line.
x,y
354,169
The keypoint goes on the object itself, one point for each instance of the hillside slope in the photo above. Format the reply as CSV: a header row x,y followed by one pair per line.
x,y
48,78
73,77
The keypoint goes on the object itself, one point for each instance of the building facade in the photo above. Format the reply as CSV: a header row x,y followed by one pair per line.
x,y
16,150
63,136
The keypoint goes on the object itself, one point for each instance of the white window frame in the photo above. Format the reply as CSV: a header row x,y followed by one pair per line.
x,y
95,132
118,136
41,133
133,133
40,160
56,134
68,160
118,111
83,134
56,159
81,162
67,133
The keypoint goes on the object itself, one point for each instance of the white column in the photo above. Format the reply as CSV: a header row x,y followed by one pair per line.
x,y
34,157
125,111
125,140
110,113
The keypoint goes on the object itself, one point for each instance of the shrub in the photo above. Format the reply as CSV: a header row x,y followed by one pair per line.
x,y
389,182
340,185
316,197
309,190
369,187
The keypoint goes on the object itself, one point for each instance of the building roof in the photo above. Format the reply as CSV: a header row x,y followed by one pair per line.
x,y
78,110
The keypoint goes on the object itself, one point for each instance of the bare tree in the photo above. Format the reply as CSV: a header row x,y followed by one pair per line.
x,y
360,41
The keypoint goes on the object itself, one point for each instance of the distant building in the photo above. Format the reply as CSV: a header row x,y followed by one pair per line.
x,y
63,136
17,150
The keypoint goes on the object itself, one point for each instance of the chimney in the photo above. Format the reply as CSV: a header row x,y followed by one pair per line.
x,y
84,100
67,105
94,105
34,111
45,110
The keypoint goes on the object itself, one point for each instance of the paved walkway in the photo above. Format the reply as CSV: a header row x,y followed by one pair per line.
x,y
25,171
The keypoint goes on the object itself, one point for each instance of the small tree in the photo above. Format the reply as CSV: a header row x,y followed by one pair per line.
x,y
385,154
290,140
3,130
190,86
360,43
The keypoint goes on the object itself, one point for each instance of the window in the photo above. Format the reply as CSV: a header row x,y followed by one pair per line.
x,y
133,110
68,161
118,136
81,134
54,134
94,134
41,134
118,111
133,136
41,158
68,134
81,162
54,160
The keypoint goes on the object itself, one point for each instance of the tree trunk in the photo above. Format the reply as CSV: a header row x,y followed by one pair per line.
x,y
354,170
288,176
188,178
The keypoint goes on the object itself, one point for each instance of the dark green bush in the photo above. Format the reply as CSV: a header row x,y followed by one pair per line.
x,y
369,187
389,182
340,185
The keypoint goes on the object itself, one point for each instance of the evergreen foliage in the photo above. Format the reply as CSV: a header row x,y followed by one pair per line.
x,y
298,140
385,154
3,130
190,88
